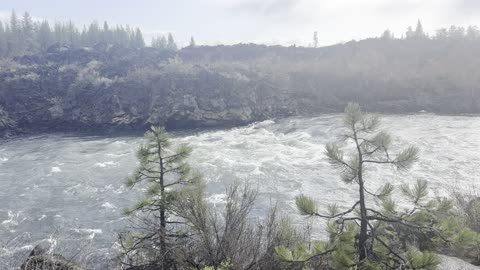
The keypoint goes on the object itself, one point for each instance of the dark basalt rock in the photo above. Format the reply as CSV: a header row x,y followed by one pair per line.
x,y
108,88
39,259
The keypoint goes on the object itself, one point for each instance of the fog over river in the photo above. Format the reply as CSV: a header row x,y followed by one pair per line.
x,y
69,191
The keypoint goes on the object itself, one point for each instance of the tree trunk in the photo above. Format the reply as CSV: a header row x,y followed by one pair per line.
x,y
163,221
363,237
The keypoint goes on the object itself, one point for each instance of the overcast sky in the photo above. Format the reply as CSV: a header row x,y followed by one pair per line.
x,y
283,22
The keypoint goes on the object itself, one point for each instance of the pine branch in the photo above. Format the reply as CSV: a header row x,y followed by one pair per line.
x,y
381,217
385,245
339,214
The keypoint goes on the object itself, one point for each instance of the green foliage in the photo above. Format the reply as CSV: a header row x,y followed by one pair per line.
x,y
192,43
226,265
159,42
422,260
392,237
27,36
161,167
171,45
284,253
305,205
389,206
385,191
406,158
417,193
168,181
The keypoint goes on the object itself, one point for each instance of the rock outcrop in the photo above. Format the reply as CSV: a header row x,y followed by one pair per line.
x,y
85,90
39,259
107,88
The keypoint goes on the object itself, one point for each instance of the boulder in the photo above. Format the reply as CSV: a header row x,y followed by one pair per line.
x,y
39,259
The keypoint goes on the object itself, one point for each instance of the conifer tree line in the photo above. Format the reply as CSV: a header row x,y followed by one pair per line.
x,y
453,32
22,35
471,32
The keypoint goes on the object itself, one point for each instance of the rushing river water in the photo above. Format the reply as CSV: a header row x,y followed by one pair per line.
x,y
69,191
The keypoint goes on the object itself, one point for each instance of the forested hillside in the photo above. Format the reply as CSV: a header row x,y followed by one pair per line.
x,y
106,79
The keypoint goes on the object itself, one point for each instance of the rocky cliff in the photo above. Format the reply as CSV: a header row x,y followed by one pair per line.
x,y
113,89
108,88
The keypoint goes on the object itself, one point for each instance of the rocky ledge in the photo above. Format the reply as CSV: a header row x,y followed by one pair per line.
x,y
108,88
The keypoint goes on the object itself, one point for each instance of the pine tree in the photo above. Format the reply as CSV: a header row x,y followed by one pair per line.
x,y
455,32
137,39
171,45
472,33
315,39
369,150
419,33
27,24
71,34
366,236
93,33
107,33
441,34
14,41
409,33
83,37
162,42
159,42
14,24
44,36
387,35
59,33
192,43
166,173
3,43
155,42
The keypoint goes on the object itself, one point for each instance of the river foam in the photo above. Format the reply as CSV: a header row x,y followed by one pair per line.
x,y
282,158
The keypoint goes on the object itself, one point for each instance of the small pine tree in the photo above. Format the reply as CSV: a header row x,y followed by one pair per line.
x,y
15,41
162,42
44,35
192,43
137,39
368,150
441,34
93,33
171,45
159,42
167,175
387,35
106,28
71,34
3,43
419,33
373,233
472,33
409,34
14,24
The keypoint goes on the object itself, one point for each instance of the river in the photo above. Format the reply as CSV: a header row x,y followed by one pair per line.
x,y
69,190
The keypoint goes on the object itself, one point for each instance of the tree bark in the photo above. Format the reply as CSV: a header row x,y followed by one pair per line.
x,y
363,237
163,221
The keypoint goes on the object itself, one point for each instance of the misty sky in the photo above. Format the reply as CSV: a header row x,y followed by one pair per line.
x,y
283,22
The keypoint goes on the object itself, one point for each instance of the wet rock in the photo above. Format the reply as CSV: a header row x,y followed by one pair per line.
x,y
39,259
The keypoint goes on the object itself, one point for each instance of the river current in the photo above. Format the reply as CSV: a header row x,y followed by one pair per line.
x,y
68,191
